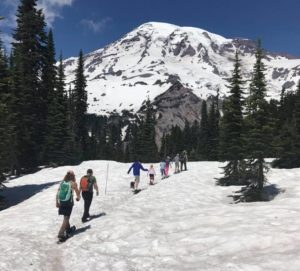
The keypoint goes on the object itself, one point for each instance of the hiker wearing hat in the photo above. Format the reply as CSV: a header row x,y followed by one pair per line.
x,y
65,202
87,184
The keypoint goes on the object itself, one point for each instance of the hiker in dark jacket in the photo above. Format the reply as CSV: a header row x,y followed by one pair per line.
x,y
87,184
137,167
183,160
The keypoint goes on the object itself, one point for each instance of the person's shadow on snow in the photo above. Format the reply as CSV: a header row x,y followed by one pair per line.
x,y
15,195
81,230
96,216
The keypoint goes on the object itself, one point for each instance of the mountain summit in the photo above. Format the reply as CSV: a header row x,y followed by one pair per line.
x,y
148,61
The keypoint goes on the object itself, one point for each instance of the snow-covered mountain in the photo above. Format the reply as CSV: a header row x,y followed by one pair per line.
x,y
184,222
148,60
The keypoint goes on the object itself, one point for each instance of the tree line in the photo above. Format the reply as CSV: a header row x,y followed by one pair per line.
x,y
41,122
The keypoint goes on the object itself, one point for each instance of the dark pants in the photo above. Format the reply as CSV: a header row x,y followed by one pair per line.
x,y
87,197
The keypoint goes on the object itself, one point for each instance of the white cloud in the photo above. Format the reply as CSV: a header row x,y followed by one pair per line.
x,y
7,40
51,9
97,27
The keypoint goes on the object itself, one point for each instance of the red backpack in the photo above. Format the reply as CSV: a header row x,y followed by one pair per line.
x,y
85,184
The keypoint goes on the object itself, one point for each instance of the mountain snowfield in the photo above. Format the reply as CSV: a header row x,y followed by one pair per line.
x,y
147,61
184,222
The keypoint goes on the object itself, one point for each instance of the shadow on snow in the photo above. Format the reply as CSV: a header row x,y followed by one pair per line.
x,y
15,195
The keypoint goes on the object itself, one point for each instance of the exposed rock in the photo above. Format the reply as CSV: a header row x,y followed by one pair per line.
x,y
281,72
190,51
174,107
134,39
288,84
173,78
140,83
246,46
206,35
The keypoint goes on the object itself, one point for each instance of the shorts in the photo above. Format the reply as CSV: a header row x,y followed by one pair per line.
x,y
137,179
151,176
65,210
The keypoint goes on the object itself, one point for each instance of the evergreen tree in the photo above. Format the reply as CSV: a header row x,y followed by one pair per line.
x,y
130,142
29,60
5,125
59,142
231,135
290,137
203,141
258,128
187,138
147,149
213,125
80,109
195,130
49,84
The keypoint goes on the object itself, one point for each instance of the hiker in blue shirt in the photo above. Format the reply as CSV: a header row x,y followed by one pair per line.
x,y
137,167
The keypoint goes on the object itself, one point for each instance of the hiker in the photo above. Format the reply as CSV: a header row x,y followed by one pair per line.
x,y
176,160
151,173
183,160
87,184
65,202
137,167
162,169
168,166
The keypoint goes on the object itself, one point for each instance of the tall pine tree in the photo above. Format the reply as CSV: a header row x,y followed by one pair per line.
x,y
203,140
6,130
80,109
258,128
290,134
29,59
147,149
231,135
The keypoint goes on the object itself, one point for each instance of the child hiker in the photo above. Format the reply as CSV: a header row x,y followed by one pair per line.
x,y
151,173
168,166
162,169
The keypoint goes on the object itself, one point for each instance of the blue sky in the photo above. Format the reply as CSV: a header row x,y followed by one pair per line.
x,y
92,24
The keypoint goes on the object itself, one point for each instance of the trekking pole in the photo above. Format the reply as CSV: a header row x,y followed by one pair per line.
x,y
106,177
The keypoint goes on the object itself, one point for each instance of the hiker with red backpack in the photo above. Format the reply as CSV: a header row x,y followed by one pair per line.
x,y
87,184
65,203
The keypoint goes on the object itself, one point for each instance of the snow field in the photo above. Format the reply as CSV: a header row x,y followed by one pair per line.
x,y
184,222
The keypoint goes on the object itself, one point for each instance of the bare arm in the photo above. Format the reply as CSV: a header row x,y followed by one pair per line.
x,y
80,186
57,201
96,188
75,188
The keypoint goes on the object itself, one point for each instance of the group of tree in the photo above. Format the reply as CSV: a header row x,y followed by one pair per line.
x,y
253,128
39,122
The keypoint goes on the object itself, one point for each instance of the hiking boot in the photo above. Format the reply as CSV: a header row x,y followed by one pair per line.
x,y
70,230
62,238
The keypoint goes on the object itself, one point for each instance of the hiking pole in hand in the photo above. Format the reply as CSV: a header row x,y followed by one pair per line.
x,y
106,177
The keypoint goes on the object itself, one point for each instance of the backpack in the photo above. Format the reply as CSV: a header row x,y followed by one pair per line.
x,y
85,184
65,194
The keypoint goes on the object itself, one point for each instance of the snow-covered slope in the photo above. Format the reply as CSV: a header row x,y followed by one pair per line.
x,y
183,223
148,60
